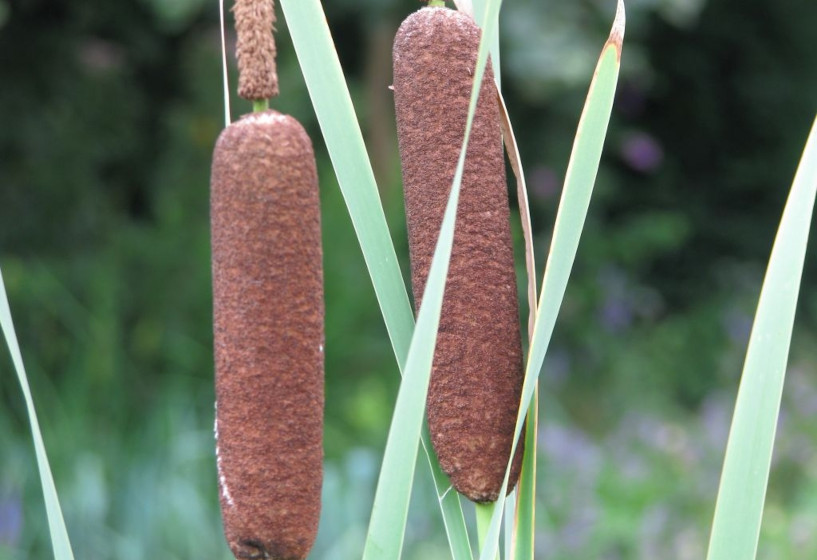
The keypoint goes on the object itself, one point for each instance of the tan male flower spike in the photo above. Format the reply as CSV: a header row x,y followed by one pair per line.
x,y
268,315
476,380
255,49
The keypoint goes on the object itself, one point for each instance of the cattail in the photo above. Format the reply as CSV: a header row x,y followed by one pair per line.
x,y
268,335
255,49
476,380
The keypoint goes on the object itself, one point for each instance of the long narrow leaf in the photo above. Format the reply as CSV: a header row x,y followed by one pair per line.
x,y
390,511
509,525
450,503
520,543
739,508
344,141
477,11
56,524
336,115
524,208
225,80
524,528
579,181
384,540
484,513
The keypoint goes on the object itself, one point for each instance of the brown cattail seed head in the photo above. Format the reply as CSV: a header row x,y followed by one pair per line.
x,y
255,49
268,336
476,380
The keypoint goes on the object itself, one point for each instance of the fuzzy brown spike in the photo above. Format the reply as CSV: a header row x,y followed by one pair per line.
x,y
476,380
268,336
255,49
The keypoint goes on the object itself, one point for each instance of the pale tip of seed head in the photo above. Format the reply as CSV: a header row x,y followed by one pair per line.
x,y
263,117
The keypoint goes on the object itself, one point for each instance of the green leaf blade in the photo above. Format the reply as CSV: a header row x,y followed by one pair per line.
x,y
742,492
56,524
524,530
344,141
450,504
390,511
573,207
339,125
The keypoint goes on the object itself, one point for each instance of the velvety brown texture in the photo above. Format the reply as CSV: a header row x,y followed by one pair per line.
x,y
268,336
476,381
255,49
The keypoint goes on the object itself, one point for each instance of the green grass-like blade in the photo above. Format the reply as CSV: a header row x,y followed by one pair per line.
x,y
450,504
479,7
484,513
509,525
225,80
520,532
56,524
579,181
384,540
524,530
333,107
745,475
524,208
344,141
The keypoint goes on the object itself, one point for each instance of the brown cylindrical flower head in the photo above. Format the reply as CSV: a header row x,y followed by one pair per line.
x,y
268,336
255,49
476,380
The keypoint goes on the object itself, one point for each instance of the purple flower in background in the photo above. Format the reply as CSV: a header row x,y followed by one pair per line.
x,y
544,183
714,418
801,393
642,152
738,326
557,365
616,311
616,314
11,519
570,450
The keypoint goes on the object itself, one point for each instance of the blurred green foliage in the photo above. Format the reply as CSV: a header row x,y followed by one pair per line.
x,y
109,112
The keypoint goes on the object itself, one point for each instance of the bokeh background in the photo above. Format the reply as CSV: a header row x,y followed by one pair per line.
x,y
108,115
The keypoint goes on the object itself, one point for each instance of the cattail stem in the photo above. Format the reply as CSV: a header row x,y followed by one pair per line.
x,y
255,49
260,105
436,4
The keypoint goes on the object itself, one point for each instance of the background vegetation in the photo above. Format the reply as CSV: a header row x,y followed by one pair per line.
x,y
109,112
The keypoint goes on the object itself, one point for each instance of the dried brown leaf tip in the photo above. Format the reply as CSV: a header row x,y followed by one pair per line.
x,y
268,316
255,49
476,380
617,32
